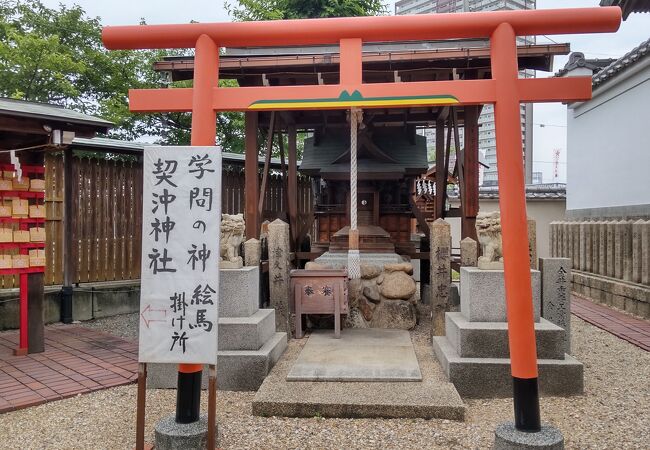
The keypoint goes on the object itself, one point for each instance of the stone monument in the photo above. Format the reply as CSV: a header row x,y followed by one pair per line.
x,y
279,267
252,252
488,230
232,235
468,252
440,274
556,294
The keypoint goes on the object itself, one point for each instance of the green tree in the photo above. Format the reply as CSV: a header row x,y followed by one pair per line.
x,y
249,10
57,56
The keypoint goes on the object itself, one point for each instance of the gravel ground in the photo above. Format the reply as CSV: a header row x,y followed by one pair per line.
x,y
614,412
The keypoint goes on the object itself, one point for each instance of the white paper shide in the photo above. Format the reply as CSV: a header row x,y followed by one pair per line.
x,y
180,255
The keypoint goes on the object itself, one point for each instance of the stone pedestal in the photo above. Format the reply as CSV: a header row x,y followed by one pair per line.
x,y
248,343
474,353
483,294
170,435
507,437
556,294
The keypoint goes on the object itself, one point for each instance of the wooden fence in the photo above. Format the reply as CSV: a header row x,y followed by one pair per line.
x,y
107,224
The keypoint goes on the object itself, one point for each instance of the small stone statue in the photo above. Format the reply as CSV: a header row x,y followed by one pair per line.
x,y
232,235
488,229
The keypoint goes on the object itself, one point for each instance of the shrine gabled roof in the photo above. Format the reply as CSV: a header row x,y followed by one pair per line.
x,y
329,156
51,114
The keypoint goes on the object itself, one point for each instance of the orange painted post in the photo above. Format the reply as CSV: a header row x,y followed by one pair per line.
x,y
206,78
512,203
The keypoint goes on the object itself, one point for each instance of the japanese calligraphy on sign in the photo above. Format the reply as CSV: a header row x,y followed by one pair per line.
x,y
180,255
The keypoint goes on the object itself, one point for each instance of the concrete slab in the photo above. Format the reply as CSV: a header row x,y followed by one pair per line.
x,y
433,397
367,354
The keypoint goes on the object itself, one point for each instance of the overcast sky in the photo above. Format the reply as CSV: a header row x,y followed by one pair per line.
x,y
552,136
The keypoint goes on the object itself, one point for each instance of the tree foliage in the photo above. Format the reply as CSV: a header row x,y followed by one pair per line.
x,y
250,10
56,56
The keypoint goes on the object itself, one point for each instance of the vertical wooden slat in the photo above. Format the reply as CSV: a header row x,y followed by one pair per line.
x,y
111,253
138,215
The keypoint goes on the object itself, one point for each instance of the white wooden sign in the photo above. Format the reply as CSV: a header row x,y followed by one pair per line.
x,y
180,255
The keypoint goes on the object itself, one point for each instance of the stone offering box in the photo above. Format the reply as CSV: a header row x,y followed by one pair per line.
x,y
319,292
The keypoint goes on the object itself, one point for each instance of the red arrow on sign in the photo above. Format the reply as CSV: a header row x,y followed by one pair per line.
x,y
153,315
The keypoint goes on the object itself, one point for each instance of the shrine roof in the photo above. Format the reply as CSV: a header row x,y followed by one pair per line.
x,y
411,61
51,114
401,156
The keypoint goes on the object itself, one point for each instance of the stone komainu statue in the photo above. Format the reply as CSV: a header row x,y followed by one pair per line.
x,y
232,235
488,229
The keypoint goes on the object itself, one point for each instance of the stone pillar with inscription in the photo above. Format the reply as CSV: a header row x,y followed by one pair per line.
x,y
532,242
468,252
278,242
440,232
556,294
252,252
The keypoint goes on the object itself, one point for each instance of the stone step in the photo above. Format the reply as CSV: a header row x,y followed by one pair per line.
x,y
491,377
246,333
490,339
242,370
239,292
245,370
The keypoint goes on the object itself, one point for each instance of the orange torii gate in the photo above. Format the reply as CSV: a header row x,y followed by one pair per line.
x,y
505,90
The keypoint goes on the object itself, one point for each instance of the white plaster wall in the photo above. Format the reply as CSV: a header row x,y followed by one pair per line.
x,y
543,211
608,139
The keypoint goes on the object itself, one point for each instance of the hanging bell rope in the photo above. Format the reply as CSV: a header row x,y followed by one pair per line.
x,y
354,258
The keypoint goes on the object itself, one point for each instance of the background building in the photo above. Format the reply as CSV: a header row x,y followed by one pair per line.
x,y
487,142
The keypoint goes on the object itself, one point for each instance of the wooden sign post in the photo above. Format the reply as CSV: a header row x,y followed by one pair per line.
x,y
180,270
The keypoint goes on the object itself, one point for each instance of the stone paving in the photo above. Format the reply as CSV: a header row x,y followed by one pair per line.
x,y
635,331
76,360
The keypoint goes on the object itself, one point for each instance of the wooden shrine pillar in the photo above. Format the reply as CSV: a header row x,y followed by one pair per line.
x,y
251,176
470,173
293,185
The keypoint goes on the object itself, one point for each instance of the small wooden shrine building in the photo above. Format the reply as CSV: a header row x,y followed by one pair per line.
x,y
392,156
